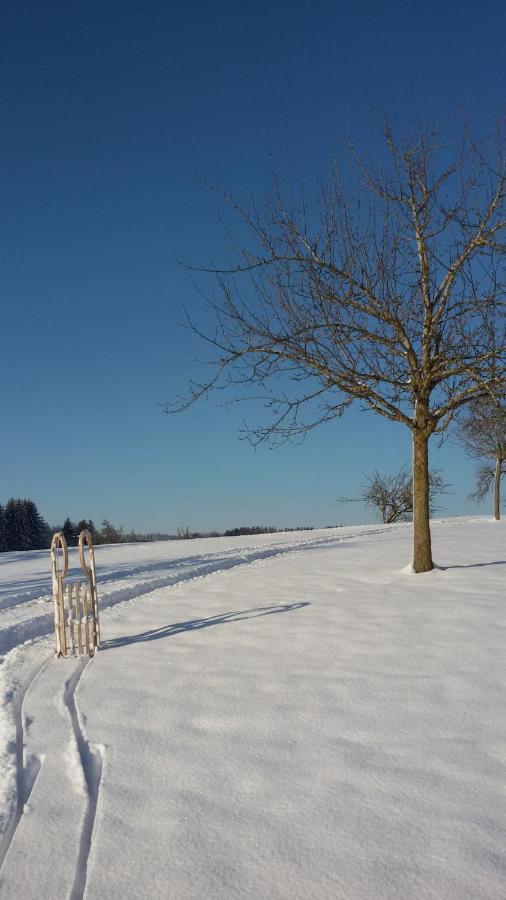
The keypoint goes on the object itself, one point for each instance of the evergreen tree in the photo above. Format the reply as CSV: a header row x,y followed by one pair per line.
x,y
17,538
37,528
23,526
18,525
69,532
86,525
3,536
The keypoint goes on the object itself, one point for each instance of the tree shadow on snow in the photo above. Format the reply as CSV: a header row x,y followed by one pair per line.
x,y
497,562
165,631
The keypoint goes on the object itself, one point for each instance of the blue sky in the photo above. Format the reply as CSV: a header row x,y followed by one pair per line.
x,y
114,118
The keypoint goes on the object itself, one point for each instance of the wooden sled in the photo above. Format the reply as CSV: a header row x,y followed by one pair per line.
x,y
76,622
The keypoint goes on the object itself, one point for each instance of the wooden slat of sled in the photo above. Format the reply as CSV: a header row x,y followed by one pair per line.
x,y
70,619
78,608
86,609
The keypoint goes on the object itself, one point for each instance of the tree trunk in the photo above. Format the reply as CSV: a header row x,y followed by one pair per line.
x,y
422,551
497,488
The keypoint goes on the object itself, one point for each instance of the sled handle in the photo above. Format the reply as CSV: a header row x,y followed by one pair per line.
x,y
59,543
87,567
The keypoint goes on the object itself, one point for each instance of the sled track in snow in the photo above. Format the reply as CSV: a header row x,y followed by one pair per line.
x,y
27,624
26,773
90,758
91,761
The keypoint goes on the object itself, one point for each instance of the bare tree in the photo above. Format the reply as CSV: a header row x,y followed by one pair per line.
x,y
387,295
392,495
482,431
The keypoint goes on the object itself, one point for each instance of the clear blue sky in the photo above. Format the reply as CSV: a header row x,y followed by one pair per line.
x,y
112,116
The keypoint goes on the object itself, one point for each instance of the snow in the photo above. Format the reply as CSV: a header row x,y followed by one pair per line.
x,y
292,716
127,570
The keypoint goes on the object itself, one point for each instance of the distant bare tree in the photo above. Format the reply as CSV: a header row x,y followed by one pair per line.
x,y
183,532
392,495
482,431
388,296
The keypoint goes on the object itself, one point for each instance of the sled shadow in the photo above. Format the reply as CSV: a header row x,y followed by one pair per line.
x,y
165,631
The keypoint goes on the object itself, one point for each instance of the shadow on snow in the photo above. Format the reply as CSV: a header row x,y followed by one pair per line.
x,y
165,631
478,565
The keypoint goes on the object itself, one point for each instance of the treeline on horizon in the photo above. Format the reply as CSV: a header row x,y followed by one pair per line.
x,y
23,528
186,534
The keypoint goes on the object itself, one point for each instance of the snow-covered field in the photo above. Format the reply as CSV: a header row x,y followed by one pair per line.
x,y
285,716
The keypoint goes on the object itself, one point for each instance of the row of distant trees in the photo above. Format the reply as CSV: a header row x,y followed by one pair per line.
x,y
23,528
185,533
107,533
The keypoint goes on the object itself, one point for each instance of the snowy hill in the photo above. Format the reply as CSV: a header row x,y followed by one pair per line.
x,y
284,716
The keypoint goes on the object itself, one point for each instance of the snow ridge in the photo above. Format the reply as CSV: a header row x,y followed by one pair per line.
x,y
26,771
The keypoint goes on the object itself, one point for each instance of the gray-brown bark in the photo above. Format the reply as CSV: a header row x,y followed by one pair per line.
x,y
422,544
